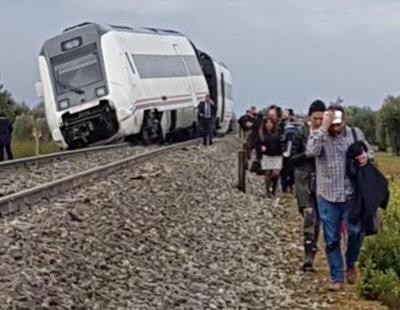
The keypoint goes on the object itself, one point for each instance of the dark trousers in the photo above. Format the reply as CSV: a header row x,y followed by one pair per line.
x,y
307,204
287,175
8,150
207,130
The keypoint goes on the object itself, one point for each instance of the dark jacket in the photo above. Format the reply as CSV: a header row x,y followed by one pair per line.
x,y
299,159
281,128
371,190
244,119
272,142
305,176
5,130
200,111
255,131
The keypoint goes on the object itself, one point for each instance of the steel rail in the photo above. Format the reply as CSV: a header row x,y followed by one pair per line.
x,y
26,198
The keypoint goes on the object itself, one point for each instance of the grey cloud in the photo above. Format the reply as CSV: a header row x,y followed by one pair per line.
x,y
281,51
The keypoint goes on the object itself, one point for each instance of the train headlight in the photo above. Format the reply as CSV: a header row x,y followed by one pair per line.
x,y
63,104
101,91
67,45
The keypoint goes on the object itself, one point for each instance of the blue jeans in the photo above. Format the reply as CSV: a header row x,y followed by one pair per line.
x,y
331,215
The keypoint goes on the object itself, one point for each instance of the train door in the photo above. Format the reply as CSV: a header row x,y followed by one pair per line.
x,y
186,116
187,75
222,98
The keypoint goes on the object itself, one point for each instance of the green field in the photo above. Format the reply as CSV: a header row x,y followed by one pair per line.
x,y
27,148
388,164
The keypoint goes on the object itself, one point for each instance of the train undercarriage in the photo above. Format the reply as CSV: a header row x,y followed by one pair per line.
x,y
90,126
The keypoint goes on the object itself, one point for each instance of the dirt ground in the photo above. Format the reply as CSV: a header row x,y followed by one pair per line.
x,y
346,300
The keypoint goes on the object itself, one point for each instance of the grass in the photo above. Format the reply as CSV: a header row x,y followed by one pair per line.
x,y
27,148
388,164
380,255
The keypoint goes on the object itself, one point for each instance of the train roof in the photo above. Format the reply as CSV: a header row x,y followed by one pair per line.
x,y
102,28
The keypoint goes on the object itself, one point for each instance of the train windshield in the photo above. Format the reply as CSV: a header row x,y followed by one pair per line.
x,y
75,74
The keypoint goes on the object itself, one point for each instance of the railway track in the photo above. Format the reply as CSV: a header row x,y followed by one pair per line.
x,y
25,173
27,197
58,155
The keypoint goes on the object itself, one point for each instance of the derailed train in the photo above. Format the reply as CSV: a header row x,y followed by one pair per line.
x,y
101,82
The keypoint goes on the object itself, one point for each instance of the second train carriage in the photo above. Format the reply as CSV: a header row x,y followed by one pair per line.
x,y
102,82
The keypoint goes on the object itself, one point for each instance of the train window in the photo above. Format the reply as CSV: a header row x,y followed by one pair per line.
x,y
164,66
76,73
229,92
193,65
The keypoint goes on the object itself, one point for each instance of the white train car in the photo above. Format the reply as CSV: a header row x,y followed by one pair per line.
x,y
100,83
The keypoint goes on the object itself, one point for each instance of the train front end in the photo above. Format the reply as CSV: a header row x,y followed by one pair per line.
x,y
74,88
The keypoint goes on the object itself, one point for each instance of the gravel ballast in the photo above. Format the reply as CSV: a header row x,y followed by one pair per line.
x,y
173,232
28,175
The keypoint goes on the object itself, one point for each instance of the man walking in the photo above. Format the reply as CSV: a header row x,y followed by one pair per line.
x,y
305,181
329,145
246,122
206,114
5,136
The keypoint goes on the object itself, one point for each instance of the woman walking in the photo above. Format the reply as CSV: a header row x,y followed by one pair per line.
x,y
269,151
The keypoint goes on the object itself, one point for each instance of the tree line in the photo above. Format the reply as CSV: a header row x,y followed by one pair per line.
x,y
24,118
380,127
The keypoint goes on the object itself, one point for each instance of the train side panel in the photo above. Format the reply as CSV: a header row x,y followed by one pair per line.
x,y
52,116
225,97
175,86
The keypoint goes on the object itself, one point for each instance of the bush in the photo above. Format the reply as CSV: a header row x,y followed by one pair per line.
x,y
376,284
23,125
390,116
380,256
23,128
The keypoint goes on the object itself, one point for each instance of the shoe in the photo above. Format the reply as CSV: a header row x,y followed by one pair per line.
x,y
351,275
288,195
308,263
335,287
268,193
307,268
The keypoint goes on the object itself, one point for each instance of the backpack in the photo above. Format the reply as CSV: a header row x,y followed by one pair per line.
x,y
290,131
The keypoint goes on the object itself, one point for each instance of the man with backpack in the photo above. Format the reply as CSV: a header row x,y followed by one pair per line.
x,y
289,129
305,181
329,145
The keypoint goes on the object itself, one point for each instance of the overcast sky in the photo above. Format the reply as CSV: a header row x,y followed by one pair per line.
x,y
287,52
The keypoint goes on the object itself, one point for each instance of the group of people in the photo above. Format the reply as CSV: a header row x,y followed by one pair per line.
x,y
335,183
270,134
6,129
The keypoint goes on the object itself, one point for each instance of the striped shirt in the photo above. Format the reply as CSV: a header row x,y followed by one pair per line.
x,y
333,184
